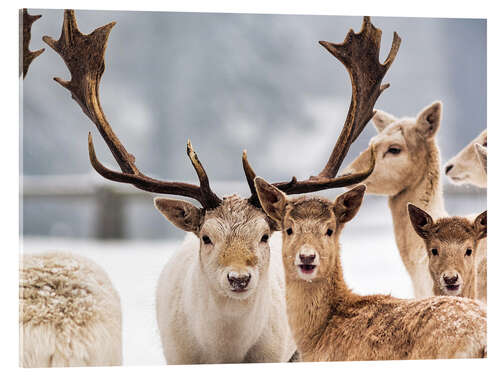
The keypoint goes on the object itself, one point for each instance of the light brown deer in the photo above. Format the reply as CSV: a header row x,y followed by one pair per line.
x,y
330,322
467,166
221,297
451,244
407,171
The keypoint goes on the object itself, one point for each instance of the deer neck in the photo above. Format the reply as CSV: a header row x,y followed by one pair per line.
x,y
312,305
426,193
470,291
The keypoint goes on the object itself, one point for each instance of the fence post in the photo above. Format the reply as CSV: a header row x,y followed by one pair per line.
x,y
110,210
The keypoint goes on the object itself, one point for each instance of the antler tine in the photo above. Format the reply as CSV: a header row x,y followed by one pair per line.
x,y
84,57
27,55
250,176
146,183
207,195
359,53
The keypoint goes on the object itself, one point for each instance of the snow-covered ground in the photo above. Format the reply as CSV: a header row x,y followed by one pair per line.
x,y
370,267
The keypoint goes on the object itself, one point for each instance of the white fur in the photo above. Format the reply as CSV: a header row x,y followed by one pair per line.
x,y
199,324
467,166
69,313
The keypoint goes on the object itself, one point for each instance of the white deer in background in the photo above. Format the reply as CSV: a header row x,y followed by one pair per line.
x,y
221,297
482,153
469,165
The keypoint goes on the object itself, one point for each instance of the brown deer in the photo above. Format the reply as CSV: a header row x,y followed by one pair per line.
x,y
451,244
407,170
467,166
221,297
330,322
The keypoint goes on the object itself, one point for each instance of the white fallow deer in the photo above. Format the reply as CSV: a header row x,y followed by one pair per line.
x,y
330,322
451,244
69,313
220,298
469,165
407,171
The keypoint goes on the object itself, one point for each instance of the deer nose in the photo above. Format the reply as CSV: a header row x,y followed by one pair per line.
x,y
238,281
448,168
307,259
450,280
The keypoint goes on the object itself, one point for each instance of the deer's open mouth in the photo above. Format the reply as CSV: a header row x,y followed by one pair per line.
x,y
307,268
453,288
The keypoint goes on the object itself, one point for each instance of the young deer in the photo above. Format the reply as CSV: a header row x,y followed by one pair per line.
x,y
467,166
221,297
407,170
330,322
451,244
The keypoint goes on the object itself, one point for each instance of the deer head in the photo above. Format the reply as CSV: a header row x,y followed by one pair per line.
x,y
467,166
233,231
311,228
451,245
403,149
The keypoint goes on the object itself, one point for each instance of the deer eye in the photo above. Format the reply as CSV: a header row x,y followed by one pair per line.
x,y
485,143
329,232
206,240
264,238
468,252
289,231
434,252
393,150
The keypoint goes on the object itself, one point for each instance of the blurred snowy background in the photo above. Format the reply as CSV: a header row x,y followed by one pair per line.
x,y
227,82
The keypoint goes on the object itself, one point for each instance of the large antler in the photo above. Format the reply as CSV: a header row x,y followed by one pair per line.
x,y
84,57
27,56
360,55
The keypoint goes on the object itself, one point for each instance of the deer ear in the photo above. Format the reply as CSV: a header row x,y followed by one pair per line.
x,y
482,154
420,220
381,119
480,225
347,205
272,199
429,119
182,214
